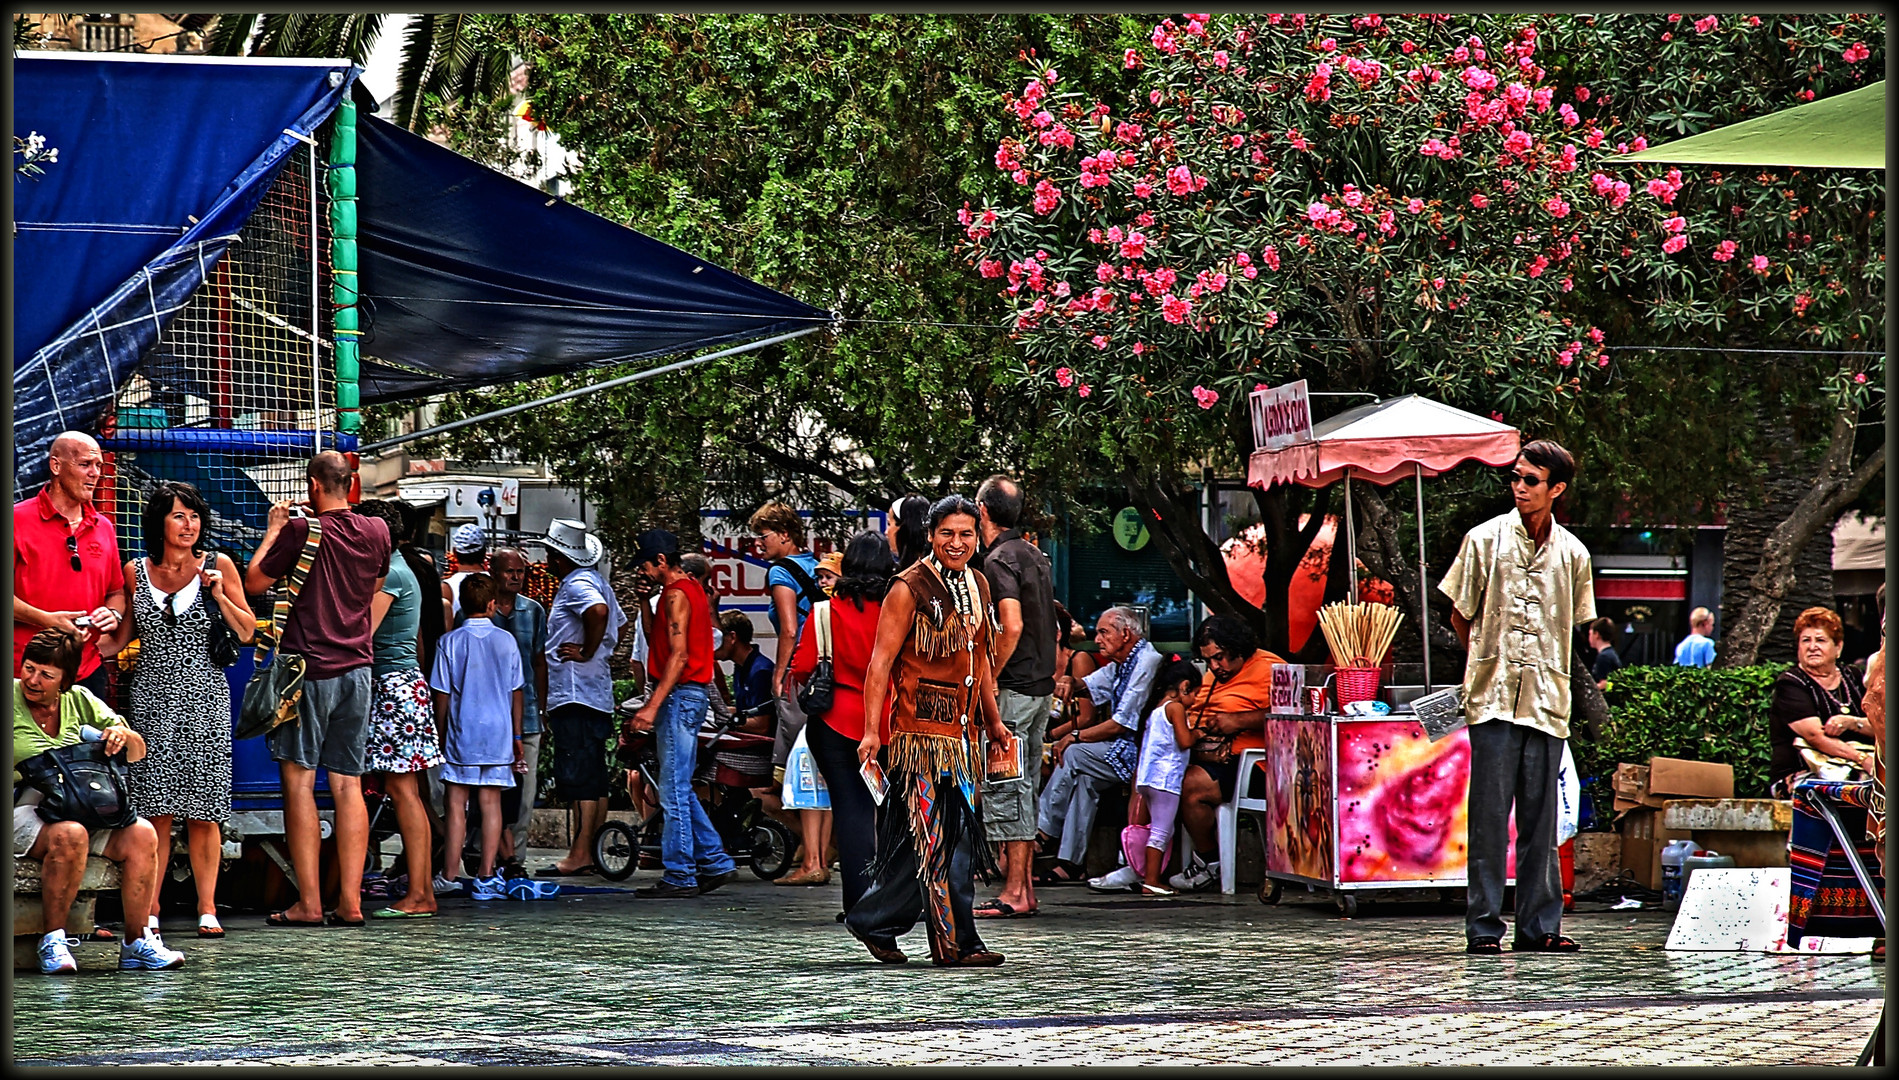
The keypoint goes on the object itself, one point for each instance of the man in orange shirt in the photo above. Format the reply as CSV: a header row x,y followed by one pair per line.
x,y
1233,699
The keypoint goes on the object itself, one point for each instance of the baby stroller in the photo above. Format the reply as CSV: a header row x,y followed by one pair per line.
x,y
745,831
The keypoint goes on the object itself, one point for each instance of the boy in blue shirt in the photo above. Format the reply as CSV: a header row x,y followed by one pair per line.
x,y
477,683
1697,649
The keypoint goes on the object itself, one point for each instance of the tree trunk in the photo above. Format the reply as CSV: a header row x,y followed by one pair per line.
x,y
1173,519
1834,485
1384,556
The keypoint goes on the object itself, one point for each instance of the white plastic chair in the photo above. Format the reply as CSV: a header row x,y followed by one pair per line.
x,y
1228,815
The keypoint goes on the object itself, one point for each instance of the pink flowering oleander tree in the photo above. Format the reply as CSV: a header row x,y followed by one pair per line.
x,y
1399,204
1379,205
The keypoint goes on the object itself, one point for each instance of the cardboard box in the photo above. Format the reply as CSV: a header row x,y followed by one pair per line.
x,y
1643,837
1665,778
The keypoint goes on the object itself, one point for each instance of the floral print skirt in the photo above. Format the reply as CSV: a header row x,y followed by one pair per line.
x,y
402,725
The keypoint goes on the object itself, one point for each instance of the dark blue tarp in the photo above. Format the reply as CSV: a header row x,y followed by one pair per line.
x,y
476,278
161,161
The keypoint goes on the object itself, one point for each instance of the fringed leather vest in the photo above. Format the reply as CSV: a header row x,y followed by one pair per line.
x,y
936,711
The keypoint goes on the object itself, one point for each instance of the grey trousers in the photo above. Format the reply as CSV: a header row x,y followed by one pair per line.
x,y
1074,791
530,783
1513,762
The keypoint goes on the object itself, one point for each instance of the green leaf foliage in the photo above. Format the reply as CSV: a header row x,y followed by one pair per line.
x,y
1697,714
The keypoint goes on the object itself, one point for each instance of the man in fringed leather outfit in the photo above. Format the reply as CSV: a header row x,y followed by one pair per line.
x,y
934,660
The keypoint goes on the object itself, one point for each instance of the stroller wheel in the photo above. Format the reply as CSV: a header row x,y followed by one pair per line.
x,y
771,848
615,852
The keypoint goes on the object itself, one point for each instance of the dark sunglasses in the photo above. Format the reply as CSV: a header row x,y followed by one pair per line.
x,y
1528,480
72,548
168,611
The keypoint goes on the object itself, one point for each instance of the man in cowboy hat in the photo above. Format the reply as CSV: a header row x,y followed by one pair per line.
x,y
583,624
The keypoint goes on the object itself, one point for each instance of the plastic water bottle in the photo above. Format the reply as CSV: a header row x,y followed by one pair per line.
x,y
1674,854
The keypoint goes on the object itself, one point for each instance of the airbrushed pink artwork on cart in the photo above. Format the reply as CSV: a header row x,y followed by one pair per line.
x,y
1402,804
1299,790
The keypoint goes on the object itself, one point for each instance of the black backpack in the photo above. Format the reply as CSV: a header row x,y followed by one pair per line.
x,y
82,783
806,583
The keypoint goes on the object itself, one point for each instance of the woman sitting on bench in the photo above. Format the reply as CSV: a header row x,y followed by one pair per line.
x,y
48,712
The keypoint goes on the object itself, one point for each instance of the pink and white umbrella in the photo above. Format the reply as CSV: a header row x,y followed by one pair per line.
x,y
1384,442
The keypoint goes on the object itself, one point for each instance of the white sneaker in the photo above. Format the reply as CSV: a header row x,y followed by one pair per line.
x,y
56,954
1121,880
446,886
1197,875
148,953
489,888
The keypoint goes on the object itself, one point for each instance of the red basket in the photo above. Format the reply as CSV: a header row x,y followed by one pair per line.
x,y
1356,684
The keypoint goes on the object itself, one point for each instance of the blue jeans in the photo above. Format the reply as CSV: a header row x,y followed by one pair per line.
x,y
688,844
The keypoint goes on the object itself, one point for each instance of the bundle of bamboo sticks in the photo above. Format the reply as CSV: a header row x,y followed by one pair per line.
x,y
1359,635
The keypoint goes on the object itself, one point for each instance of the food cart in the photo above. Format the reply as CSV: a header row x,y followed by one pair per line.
x,y
1359,803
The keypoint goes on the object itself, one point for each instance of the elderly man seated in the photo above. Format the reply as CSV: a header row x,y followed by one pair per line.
x,y
48,712
1101,756
1233,699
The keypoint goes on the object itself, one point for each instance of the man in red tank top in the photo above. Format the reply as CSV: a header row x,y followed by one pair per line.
x,y
679,666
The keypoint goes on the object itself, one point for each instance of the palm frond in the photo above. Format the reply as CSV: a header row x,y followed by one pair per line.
x,y
230,35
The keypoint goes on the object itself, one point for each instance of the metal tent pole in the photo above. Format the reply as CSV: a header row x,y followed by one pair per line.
x,y
1351,538
316,310
584,390
1424,596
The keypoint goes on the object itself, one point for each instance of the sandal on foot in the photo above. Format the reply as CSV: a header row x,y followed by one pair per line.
x,y
997,909
333,919
279,918
1484,947
1059,874
398,913
1546,943
209,927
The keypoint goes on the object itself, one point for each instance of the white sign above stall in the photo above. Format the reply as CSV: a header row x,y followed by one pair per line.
x,y
1282,416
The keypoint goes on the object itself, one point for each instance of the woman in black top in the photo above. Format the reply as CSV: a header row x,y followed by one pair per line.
x,y
1818,701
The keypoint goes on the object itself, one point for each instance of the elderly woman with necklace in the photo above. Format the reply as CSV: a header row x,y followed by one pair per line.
x,y
934,657
1818,702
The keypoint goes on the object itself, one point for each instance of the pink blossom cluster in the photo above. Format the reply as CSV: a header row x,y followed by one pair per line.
x,y
1205,398
1855,52
1095,169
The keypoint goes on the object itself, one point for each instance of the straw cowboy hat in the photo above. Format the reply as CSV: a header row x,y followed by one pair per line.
x,y
571,538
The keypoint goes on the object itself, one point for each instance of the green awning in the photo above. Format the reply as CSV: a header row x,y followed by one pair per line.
x,y
1846,131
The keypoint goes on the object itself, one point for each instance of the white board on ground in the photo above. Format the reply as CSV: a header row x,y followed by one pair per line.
x,y
1744,910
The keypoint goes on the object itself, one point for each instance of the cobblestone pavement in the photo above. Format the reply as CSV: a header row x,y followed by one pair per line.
x,y
757,974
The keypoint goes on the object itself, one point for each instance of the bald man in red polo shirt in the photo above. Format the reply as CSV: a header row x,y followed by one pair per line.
x,y
66,563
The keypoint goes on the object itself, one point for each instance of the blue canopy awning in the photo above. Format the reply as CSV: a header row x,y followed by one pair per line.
x,y
161,161
468,277
471,277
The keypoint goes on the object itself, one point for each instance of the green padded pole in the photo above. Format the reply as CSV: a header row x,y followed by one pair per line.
x,y
344,292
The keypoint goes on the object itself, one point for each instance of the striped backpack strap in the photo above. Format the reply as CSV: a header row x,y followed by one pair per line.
x,y
280,611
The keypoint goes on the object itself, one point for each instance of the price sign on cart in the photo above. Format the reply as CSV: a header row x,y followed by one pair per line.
x,y
1289,689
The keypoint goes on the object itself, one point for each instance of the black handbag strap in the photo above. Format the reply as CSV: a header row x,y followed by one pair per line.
x,y
811,589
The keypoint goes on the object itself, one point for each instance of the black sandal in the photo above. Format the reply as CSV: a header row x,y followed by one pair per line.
x,y
1059,874
1546,943
1484,947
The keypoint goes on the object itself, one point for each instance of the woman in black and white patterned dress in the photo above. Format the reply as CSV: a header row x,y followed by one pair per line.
x,y
181,702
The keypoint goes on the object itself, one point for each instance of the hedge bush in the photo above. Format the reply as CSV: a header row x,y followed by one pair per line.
x,y
1699,714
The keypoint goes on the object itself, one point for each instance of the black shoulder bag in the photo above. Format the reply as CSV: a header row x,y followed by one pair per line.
x,y
80,783
271,697
816,696
222,640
